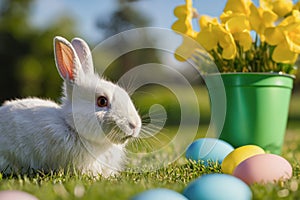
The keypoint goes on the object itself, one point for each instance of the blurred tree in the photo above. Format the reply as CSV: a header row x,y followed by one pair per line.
x,y
126,17
26,52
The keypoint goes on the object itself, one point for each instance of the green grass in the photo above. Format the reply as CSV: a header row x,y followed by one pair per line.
x,y
176,176
125,185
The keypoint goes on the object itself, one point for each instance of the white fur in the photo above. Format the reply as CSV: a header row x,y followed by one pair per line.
x,y
42,135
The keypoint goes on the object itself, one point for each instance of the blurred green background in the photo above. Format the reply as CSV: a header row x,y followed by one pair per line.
x,y
26,51
27,65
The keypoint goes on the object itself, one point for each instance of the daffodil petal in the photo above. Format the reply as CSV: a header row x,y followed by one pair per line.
x,y
205,20
227,43
186,49
273,36
294,18
207,39
282,7
179,52
268,17
266,4
185,15
238,6
254,18
225,37
237,24
245,40
181,26
225,16
297,6
229,52
189,3
290,29
180,11
293,41
282,54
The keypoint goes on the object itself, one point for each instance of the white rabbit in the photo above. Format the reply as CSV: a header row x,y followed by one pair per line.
x,y
42,135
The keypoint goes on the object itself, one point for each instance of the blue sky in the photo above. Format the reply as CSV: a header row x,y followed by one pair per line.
x,y
160,12
86,12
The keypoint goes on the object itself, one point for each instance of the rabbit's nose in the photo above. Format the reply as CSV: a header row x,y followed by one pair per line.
x,y
132,125
135,129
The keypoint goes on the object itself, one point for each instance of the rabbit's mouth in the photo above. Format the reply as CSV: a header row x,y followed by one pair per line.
x,y
120,140
127,137
116,135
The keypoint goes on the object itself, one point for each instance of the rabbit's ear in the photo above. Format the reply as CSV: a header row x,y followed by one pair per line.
x,y
84,54
67,61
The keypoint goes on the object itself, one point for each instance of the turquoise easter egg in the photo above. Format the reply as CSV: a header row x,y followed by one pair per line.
x,y
218,186
208,149
159,193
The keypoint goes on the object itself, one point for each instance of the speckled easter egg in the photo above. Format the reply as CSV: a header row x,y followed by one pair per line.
x,y
238,155
159,193
218,186
16,195
208,149
263,168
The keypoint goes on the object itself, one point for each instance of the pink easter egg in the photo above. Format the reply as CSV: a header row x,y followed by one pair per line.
x,y
16,195
263,168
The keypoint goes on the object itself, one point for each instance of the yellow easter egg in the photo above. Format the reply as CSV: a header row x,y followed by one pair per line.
x,y
233,159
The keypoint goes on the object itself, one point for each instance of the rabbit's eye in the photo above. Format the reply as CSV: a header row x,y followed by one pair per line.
x,y
102,101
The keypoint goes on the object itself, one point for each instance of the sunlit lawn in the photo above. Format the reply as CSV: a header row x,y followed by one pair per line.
x,y
175,176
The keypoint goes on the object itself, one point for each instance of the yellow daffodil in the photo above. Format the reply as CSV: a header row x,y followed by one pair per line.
x,y
225,16
238,6
229,38
280,7
207,38
260,19
184,13
227,43
297,6
213,34
245,40
205,20
186,49
286,38
292,31
282,54
274,35
238,25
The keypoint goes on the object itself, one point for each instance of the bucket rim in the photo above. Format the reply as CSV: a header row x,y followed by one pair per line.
x,y
251,74
249,80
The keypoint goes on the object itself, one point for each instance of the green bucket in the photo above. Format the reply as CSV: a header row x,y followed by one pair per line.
x,y
256,111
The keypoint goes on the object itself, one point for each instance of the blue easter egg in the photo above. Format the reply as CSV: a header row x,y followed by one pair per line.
x,y
159,193
218,186
208,149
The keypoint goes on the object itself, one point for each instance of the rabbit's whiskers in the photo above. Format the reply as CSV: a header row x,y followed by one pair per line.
x,y
116,135
150,134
